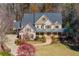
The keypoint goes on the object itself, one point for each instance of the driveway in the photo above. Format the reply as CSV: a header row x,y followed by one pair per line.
x,y
11,43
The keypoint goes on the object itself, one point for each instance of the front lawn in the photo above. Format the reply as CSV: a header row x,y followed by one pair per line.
x,y
57,49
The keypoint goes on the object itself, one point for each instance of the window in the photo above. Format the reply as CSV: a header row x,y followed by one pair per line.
x,y
43,19
56,26
28,29
37,26
48,26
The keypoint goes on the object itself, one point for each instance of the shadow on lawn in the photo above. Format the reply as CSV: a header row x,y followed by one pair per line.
x,y
73,47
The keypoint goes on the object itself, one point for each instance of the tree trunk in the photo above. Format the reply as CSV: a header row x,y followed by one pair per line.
x,y
4,48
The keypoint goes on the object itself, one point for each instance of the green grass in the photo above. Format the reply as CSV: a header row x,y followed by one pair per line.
x,y
5,54
34,42
56,49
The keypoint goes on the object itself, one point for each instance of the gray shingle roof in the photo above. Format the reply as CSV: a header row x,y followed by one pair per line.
x,y
49,30
42,20
32,18
51,16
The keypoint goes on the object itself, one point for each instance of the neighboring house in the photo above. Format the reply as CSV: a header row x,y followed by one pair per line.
x,y
42,23
29,31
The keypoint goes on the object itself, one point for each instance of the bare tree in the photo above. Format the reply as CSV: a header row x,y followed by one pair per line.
x,y
8,13
4,25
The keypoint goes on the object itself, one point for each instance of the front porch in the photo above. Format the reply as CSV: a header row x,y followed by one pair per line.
x,y
47,33
55,36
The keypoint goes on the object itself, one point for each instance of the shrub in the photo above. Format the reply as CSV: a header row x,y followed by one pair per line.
x,y
5,54
17,42
43,39
55,38
20,41
26,50
37,38
52,39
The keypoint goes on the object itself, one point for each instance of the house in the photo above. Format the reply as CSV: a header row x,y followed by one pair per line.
x,y
46,26
42,23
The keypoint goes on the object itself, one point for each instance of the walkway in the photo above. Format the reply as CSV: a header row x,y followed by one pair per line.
x,y
47,42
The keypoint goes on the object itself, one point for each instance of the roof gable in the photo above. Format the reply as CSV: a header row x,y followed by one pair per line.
x,y
48,22
29,26
42,20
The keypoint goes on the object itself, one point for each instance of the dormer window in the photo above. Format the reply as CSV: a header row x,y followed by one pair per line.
x,y
37,26
43,19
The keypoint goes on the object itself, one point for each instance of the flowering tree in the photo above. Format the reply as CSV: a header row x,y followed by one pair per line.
x,y
26,49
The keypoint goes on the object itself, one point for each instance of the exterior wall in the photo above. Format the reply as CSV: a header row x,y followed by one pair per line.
x,y
52,26
48,23
38,26
43,26
32,35
60,26
31,32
